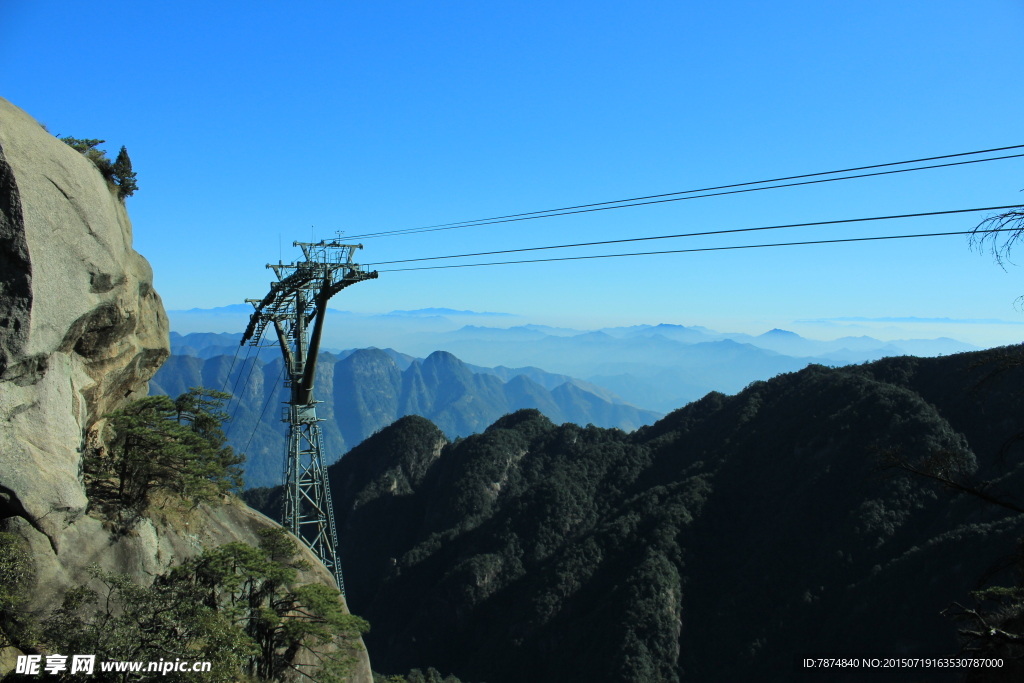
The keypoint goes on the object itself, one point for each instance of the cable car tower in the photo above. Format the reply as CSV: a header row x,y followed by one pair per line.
x,y
297,300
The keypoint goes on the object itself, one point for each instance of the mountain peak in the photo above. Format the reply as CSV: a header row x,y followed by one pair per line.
x,y
779,334
442,358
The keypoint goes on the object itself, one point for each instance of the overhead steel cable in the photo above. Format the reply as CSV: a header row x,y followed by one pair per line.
x,y
238,403
234,386
270,395
227,377
700,234
689,251
639,201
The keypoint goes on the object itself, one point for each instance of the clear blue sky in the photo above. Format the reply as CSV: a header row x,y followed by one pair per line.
x,y
248,122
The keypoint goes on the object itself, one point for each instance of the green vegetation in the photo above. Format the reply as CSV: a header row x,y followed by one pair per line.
x,y
88,148
156,443
123,174
128,622
17,576
119,172
994,626
237,606
431,675
710,546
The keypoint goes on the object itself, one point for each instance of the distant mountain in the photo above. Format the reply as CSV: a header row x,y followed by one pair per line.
x,y
659,367
914,319
367,389
507,334
547,380
857,349
219,310
448,311
343,329
663,367
208,345
719,544
205,344
677,332
844,349
653,371
663,389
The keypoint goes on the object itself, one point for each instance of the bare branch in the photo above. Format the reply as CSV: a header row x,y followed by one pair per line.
x,y
942,468
989,235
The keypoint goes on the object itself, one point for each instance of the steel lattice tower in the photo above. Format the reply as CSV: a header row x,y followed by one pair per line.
x,y
299,298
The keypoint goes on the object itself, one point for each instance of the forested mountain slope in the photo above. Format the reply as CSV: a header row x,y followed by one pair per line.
x,y
714,545
365,391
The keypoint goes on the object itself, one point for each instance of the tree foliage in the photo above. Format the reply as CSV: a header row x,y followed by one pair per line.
x,y
255,588
709,546
123,174
89,147
125,621
236,606
118,171
994,627
158,443
17,576
431,675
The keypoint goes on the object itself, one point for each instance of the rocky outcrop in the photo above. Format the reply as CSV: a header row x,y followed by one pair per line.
x,y
81,333
81,328
150,548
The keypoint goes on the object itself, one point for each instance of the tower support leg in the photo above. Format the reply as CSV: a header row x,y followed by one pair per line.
x,y
307,508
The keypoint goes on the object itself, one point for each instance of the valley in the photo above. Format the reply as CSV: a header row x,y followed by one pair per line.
x,y
716,544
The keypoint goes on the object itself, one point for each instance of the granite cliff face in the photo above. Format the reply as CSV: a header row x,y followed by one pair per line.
x,y
82,329
81,333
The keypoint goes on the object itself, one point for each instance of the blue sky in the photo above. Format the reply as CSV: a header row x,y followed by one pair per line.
x,y
248,123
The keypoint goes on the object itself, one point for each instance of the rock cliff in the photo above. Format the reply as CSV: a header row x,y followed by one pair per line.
x,y
82,329
150,548
81,332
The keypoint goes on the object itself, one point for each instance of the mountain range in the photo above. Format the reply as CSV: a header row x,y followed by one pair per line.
x,y
726,542
364,390
663,367
658,367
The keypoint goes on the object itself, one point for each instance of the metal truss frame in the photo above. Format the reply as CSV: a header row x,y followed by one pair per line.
x,y
296,300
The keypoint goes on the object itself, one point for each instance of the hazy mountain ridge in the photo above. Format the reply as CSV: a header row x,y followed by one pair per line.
x,y
520,553
366,389
663,367
657,367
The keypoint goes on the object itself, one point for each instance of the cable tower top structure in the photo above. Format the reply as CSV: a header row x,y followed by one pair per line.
x,y
295,308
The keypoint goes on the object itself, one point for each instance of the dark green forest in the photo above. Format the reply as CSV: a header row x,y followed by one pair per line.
x,y
719,544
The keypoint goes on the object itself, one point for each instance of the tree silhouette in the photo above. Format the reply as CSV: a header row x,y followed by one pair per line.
x,y
999,234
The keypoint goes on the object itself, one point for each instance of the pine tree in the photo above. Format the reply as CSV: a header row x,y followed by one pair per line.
x,y
124,175
157,443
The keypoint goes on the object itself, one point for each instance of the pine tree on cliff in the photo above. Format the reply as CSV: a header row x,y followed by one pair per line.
x,y
156,443
124,175
120,171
